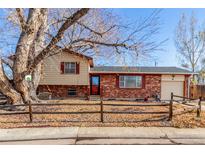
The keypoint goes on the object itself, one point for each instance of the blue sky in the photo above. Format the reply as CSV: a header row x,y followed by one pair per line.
x,y
169,19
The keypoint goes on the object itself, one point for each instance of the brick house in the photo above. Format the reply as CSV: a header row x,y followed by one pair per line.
x,y
69,74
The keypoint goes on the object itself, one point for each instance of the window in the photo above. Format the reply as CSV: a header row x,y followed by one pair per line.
x,y
130,81
70,67
72,92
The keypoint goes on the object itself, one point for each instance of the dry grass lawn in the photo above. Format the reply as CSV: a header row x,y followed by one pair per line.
x,y
116,120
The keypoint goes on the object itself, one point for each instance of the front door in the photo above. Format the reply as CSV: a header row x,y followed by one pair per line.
x,y
95,85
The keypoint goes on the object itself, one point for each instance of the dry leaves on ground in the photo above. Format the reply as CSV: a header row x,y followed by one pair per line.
x,y
186,120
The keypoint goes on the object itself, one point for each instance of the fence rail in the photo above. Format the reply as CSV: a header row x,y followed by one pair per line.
x,y
165,104
101,110
53,104
184,98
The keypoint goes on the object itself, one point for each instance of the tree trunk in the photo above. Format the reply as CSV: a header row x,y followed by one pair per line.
x,y
38,45
24,47
7,89
30,53
35,82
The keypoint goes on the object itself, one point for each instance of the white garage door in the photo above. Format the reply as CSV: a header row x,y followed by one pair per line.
x,y
177,87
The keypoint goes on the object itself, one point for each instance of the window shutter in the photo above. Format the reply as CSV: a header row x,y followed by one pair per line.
x,y
62,67
77,68
117,81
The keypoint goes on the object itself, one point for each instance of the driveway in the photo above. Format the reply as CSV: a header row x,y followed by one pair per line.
x,y
102,135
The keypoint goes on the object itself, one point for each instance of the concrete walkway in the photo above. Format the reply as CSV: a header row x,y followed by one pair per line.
x,y
102,135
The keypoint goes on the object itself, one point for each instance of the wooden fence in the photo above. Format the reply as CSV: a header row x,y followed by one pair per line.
x,y
185,102
101,110
102,105
197,91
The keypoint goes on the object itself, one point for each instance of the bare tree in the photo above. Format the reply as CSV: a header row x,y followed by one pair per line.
x,y
40,33
190,42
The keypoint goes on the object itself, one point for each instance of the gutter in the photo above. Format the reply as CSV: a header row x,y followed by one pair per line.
x,y
176,73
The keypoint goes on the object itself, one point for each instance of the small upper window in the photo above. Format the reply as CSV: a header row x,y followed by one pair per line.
x,y
70,67
130,81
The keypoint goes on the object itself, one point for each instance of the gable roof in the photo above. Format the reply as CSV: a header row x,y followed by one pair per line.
x,y
76,53
90,59
143,69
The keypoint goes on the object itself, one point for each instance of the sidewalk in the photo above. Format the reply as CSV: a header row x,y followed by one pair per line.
x,y
102,135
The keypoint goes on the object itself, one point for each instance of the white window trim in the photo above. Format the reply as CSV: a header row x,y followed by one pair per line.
x,y
124,83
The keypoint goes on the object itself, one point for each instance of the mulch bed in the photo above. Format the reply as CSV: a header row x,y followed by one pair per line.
x,y
185,120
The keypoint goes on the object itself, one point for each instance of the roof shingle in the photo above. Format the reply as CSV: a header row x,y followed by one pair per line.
x,y
143,69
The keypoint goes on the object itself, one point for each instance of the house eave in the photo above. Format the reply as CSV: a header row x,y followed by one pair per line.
x,y
160,73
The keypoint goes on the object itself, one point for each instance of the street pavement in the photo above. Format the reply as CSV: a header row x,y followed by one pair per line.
x,y
102,135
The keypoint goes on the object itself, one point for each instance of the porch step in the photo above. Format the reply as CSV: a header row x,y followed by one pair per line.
x,y
94,97
2,102
3,99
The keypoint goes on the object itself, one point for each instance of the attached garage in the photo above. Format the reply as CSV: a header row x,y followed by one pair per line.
x,y
172,83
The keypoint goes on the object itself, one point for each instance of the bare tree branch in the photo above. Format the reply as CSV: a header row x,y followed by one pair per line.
x,y
21,18
95,32
8,62
190,42
69,22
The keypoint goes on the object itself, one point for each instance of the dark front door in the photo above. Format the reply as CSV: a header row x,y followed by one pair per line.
x,y
95,85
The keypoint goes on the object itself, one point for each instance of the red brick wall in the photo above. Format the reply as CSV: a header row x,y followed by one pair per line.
x,y
61,91
151,86
110,88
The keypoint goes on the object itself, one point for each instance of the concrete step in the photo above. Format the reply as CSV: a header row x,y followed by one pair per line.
x,y
2,97
94,97
2,102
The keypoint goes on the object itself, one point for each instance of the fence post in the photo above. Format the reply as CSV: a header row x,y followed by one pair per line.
x,y
199,108
171,108
101,110
30,112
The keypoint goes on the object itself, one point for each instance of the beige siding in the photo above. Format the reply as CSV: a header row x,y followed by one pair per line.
x,y
51,71
173,78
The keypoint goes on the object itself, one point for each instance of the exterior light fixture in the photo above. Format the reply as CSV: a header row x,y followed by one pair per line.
x,y
173,76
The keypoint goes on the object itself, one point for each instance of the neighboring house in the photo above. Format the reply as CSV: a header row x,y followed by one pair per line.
x,y
69,74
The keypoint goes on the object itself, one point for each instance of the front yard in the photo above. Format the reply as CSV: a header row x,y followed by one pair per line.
x,y
93,120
